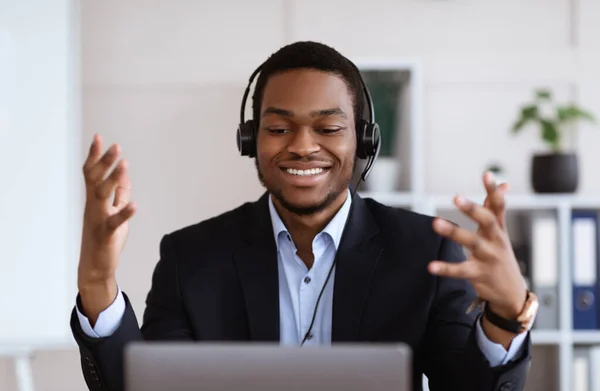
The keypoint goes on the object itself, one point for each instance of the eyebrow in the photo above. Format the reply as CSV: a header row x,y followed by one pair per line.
x,y
317,113
328,112
275,110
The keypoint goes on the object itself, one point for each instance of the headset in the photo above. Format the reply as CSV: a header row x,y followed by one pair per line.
x,y
368,145
368,135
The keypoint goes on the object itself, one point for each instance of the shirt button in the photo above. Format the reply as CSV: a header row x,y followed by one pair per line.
x,y
306,279
310,335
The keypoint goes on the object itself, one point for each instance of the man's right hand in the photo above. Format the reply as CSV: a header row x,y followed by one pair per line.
x,y
105,224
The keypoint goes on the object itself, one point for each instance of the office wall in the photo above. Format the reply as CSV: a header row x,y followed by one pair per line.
x,y
165,79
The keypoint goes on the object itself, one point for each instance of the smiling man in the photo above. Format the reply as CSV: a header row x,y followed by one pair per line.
x,y
310,263
305,176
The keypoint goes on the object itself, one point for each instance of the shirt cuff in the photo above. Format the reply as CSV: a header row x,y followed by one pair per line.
x,y
495,352
108,321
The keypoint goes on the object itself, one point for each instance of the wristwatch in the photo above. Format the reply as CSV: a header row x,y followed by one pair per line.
x,y
524,320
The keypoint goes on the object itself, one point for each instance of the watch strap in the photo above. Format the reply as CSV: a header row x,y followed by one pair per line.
x,y
524,320
513,326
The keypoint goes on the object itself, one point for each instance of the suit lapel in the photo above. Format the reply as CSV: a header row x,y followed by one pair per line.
x,y
256,262
356,261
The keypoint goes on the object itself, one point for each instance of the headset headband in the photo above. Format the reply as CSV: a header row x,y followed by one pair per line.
x,y
362,82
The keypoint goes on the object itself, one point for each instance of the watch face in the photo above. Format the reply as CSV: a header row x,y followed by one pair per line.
x,y
533,315
527,318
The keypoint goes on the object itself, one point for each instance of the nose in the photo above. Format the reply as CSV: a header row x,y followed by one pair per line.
x,y
303,143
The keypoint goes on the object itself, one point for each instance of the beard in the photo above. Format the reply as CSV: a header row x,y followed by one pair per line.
x,y
330,197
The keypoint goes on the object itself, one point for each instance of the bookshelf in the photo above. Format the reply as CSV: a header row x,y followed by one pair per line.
x,y
565,338
411,194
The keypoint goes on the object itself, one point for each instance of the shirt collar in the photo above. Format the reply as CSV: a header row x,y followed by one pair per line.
x,y
334,229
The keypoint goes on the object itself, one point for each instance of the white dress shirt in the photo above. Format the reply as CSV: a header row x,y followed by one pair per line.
x,y
299,289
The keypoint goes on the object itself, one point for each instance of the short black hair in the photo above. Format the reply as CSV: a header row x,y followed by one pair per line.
x,y
311,55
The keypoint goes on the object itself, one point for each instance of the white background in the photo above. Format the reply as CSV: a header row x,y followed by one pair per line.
x,y
39,203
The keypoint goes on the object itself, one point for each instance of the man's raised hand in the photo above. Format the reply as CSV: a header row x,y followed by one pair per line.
x,y
108,209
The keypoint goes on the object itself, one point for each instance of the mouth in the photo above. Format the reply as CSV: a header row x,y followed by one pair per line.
x,y
305,178
310,171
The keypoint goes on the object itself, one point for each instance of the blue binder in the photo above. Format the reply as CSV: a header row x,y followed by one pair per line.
x,y
585,270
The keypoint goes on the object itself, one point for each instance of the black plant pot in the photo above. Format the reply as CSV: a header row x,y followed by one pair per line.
x,y
555,173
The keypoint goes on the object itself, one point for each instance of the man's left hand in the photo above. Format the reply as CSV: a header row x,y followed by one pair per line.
x,y
492,267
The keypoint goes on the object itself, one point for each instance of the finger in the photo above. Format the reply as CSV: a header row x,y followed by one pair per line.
x,y
468,270
486,204
98,171
94,154
116,220
498,204
500,216
477,244
489,182
123,192
495,200
488,224
502,188
108,187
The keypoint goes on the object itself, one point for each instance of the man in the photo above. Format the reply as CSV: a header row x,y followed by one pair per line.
x,y
310,262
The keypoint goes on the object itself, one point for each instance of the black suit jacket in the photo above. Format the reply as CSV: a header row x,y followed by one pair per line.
x,y
218,281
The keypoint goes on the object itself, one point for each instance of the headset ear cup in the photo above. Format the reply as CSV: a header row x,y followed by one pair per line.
x,y
376,139
360,139
246,138
368,140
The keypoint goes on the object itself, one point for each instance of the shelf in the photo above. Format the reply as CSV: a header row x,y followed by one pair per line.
x,y
513,202
545,337
550,337
586,337
529,201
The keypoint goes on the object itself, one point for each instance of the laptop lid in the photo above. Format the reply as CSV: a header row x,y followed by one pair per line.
x,y
175,366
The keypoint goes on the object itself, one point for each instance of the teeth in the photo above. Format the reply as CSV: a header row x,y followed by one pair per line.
x,y
312,171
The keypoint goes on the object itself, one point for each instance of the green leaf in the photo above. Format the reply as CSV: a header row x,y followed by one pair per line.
x,y
587,115
519,125
563,113
572,113
550,134
529,112
543,94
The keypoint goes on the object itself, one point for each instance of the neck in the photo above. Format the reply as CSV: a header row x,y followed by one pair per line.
x,y
304,228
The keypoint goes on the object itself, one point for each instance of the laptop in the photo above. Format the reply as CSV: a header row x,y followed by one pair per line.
x,y
174,366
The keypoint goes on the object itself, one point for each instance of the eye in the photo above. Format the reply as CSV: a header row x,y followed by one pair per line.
x,y
277,130
330,130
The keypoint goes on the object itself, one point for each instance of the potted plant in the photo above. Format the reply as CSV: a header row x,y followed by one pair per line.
x,y
555,171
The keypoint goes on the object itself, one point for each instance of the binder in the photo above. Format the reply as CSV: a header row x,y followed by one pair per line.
x,y
581,369
585,270
594,356
544,267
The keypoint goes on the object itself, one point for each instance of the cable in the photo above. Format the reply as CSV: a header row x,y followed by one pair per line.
x,y
363,176
312,322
